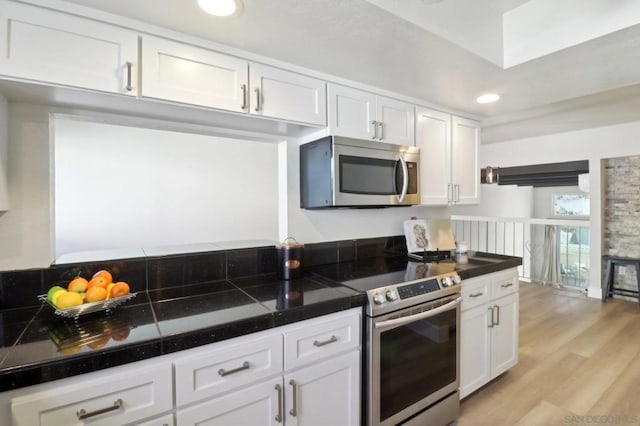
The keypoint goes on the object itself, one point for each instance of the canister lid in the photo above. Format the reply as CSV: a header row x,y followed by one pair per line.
x,y
287,244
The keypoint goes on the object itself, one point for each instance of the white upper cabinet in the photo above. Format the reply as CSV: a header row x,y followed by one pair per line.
x,y
286,95
396,121
465,171
197,76
51,47
448,158
363,115
193,75
351,112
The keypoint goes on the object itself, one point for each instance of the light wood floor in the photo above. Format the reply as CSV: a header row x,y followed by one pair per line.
x,y
578,357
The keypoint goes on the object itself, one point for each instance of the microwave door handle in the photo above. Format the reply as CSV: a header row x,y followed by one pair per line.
x,y
405,178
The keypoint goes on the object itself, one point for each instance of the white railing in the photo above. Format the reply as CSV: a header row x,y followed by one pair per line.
x,y
525,238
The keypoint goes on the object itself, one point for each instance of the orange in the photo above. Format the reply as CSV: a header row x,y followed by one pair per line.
x,y
68,300
78,284
119,289
100,281
109,287
105,274
95,294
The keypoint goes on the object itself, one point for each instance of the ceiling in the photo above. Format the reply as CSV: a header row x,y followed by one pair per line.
x,y
456,51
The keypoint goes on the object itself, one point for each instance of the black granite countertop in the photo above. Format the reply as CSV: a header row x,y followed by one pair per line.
x,y
156,322
39,346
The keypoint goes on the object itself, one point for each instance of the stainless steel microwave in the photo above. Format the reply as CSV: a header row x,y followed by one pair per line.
x,y
344,172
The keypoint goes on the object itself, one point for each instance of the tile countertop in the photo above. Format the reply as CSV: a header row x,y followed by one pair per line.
x,y
46,347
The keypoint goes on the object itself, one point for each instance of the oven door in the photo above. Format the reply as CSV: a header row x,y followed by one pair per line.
x,y
413,359
375,177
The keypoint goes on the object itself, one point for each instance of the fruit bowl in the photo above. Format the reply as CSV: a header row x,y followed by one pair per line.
x,y
87,308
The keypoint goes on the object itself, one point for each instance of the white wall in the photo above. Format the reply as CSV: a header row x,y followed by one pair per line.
x,y
500,201
590,144
26,228
118,187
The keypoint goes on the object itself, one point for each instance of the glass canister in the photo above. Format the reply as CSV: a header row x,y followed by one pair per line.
x,y
290,255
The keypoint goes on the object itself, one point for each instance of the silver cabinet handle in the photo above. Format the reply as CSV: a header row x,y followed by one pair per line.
x,y
449,193
478,294
381,124
506,285
245,366
491,322
332,339
294,409
497,314
375,129
129,86
83,414
279,416
456,189
244,96
258,99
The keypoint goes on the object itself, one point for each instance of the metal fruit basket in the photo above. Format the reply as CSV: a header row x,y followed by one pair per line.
x,y
86,308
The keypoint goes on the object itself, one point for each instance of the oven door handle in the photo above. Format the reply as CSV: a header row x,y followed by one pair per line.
x,y
422,315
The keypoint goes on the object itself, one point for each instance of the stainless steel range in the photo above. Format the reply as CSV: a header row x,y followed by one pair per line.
x,y
413,340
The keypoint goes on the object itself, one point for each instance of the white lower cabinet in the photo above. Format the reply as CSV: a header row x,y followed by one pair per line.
x,y
122,395
326,393
488,328
258,405
305,374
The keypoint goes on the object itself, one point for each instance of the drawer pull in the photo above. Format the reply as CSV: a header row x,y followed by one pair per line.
x,y
478,294
506,285
279,416
332,339
129,87
245,366
294,392
82,414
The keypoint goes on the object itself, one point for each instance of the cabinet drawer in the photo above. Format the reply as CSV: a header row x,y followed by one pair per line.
x,y
318,339
166,420
475,292
505,283
119,399
227,365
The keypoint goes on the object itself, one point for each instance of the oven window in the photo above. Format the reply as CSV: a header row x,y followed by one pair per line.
x,y
416,360
362,175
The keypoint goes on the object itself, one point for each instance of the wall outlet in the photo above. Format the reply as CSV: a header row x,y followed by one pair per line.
x,y
622,270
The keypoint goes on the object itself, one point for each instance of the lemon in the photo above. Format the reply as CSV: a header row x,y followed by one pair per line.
x,y
68,299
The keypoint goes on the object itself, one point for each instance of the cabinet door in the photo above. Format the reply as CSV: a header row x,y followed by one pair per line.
x,y
192,75
46,46
286,95
351,112
433,139
465,172
326,393
257,405
475,346
504,338
397,120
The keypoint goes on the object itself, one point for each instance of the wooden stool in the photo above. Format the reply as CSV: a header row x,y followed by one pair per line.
x,y
609,289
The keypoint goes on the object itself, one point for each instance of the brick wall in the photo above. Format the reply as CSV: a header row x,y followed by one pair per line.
x,y
622,213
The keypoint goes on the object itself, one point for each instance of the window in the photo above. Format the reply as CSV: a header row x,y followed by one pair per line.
x,y
571,205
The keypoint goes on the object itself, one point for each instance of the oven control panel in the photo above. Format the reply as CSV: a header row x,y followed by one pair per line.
x,y
399,293
412,290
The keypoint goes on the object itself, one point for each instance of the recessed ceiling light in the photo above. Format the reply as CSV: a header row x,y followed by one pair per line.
x,y
220,7
487,98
